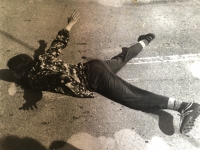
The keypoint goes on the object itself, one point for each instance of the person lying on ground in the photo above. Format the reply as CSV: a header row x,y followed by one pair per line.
x,y
47,72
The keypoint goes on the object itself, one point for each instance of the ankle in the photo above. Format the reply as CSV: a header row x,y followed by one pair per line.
x,y
176,105
145,41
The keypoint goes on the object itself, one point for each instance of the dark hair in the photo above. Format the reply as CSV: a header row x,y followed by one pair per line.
x,y
19,63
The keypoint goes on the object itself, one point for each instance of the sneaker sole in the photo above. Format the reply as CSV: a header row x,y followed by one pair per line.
x,y
190,123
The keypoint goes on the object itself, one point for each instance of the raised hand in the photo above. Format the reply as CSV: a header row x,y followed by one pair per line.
x,y
73,20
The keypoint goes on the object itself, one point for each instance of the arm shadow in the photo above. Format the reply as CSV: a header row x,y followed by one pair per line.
x,y
33,96
30,96
41,49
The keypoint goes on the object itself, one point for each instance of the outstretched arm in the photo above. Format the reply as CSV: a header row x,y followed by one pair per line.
x,y
61,40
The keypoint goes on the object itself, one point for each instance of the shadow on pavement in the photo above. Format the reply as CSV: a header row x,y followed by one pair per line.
x,y
61,145
41,49
16,40
165,121
16,143
31,96
8,75
12,142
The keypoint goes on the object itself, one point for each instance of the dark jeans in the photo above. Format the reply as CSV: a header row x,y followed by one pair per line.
x,y
102,78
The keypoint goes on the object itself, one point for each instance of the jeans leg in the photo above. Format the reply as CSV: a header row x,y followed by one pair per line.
x,y
145,99
128,95
103,81
117,62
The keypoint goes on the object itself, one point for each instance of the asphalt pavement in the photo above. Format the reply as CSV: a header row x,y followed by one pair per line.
x,y
33,120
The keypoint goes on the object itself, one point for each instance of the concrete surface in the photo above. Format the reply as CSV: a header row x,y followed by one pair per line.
x,y
169,66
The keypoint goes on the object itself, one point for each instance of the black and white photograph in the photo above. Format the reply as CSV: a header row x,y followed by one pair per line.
x,y
99,75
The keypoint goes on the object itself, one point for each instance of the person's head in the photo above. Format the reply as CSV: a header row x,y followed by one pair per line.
x,y
19,63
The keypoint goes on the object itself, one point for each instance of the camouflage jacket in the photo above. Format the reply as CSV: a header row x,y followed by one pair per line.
x,y
47,72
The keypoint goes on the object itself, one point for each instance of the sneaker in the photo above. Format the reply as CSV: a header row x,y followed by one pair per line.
x,y
149,37
188,117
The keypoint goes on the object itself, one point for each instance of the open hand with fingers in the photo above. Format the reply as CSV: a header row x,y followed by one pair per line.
x,y
31,97
28,106
73,20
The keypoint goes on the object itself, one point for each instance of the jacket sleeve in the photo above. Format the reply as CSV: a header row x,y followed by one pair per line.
x,y
59,43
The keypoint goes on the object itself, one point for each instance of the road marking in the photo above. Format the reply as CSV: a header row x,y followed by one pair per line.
x,y
193,66
165,59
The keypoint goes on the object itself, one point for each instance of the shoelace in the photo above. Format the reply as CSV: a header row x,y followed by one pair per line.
x,y
185,113
149,38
